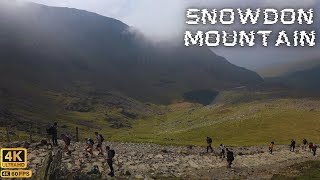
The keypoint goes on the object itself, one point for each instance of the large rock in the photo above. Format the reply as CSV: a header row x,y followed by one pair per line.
x,y
159,156
193,164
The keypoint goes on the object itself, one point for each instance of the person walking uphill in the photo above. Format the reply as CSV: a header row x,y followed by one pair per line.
x,y
304,144
67,141
222,151
314,149
89,147
110,156
271,147
292,145
99,139
310,146
230,157
209,144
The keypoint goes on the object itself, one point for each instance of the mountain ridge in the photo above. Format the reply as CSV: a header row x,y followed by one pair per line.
x,y
69,44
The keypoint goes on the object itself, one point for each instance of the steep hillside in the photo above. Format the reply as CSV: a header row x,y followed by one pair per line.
x,y
73,50
237,117
82,69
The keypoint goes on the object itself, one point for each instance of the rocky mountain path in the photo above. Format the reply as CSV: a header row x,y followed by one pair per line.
x,y
151,161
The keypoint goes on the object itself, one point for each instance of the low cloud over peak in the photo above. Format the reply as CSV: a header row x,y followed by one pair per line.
x,y
165,20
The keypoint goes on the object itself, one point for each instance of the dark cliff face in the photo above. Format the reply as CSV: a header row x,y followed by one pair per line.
x,y
74,50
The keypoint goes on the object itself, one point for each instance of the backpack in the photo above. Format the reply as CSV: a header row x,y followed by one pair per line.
x,y
50,130
209,140
113,153
102,138
305,141
230,156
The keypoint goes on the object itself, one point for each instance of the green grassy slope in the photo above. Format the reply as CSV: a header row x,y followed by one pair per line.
x,y
238,117
248,123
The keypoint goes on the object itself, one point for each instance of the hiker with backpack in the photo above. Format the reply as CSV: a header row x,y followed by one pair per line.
x,y
222,151
89,147
209,144
304,144
271,147
314,149
53,131
67,141
292,145
230,157
310,146
110,156
99,139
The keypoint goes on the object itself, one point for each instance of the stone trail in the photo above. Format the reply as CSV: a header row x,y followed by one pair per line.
x,y
151,161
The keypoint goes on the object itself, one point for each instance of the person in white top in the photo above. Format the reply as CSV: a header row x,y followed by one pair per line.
x,y
222,151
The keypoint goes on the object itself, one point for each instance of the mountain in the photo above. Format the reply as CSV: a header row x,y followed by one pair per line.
x,y
307,79
84,70
297,75
74,50
289,67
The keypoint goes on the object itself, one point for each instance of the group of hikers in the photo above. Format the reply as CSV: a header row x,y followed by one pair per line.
x,y
230,155
53,131
312,146
224,152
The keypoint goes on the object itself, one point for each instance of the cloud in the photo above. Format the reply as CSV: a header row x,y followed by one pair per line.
x,y
165,20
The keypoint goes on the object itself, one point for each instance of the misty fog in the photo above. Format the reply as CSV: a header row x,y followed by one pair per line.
x,y
165,20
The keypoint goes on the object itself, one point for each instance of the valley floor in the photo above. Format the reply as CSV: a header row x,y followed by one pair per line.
x,y
150,161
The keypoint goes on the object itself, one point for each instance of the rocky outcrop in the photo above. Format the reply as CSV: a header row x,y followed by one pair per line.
x,y
46,165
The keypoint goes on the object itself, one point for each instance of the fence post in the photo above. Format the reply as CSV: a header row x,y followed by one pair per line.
x,y
77,134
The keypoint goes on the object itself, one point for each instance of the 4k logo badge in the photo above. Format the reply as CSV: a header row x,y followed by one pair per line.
x,y
13,158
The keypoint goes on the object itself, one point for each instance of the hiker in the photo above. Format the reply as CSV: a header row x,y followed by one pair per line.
x,y
67,142
209,143
110,156
99,139
304,144
222,151
292,145
89,147
314,149
54,133
310,146
230,157
271,147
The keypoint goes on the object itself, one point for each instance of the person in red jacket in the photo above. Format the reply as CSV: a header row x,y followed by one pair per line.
x,y
67,141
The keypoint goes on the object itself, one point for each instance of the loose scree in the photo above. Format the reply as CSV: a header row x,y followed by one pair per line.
x,y
267,17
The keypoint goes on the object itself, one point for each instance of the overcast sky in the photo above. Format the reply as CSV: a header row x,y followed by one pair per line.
x,y
165,19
